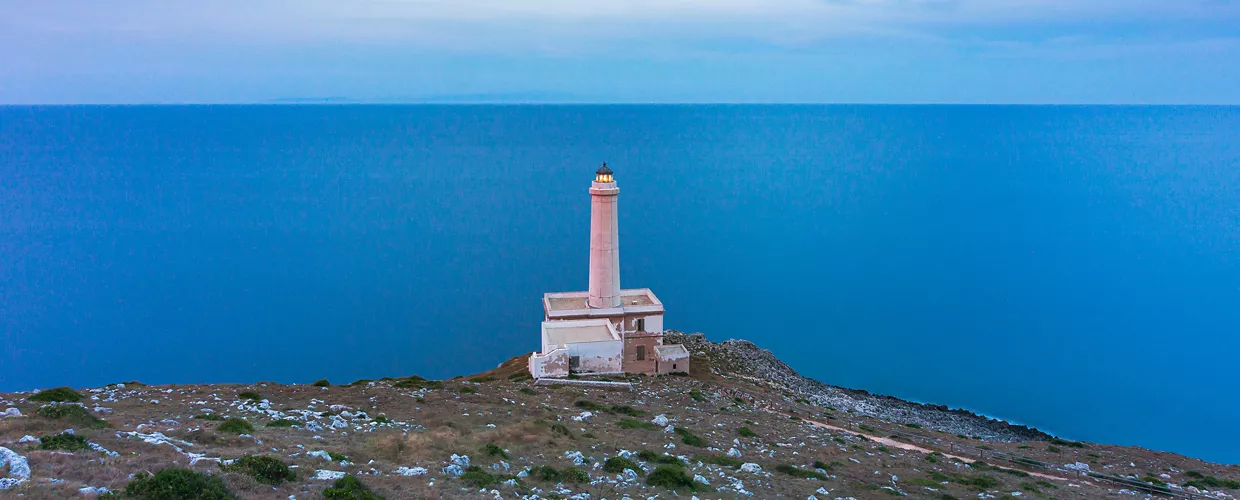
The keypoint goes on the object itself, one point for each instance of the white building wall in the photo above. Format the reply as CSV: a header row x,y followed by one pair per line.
x,y
598,357
654,324
553,364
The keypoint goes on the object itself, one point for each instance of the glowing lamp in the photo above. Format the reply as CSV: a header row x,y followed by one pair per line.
x,y
603,174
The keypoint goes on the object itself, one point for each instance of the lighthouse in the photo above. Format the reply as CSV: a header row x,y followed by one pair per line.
x,y
604,241
604,330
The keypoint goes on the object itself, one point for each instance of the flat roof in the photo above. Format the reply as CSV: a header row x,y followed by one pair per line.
x,y
669,350
574,332
636,300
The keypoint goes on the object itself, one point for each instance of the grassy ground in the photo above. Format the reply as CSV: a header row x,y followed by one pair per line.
x,y
506,426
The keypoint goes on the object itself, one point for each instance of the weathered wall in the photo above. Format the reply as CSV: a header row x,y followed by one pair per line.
x,y
550,365
631,364
654,323
598,357
678,363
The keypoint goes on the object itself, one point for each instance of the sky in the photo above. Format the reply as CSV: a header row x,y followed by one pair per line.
x,y
638,51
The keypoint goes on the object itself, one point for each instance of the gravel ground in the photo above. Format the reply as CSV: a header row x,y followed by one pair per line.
x,y
743,422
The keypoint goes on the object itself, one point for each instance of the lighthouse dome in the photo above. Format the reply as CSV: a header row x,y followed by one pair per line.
x,y
603,174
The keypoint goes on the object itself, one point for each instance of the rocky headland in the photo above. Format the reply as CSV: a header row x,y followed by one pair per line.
x,y
742,425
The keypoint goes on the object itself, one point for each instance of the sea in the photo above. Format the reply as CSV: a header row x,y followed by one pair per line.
x,y
1071,268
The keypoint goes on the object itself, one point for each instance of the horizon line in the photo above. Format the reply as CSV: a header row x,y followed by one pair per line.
x,y
315,102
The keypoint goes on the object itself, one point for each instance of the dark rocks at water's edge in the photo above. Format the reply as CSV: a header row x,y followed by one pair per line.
x,y
742,359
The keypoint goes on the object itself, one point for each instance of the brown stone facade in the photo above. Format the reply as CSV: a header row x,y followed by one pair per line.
x,y
677,365
640,345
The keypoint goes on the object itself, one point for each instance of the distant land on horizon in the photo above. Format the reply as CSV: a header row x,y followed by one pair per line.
x,y
506,100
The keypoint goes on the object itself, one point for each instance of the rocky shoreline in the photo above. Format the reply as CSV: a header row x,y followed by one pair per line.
x,y
745,360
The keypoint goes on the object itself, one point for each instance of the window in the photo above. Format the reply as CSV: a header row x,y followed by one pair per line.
x,y
641,324
641,353
574,361
673,366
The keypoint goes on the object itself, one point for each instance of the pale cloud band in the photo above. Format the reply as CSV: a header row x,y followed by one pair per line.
x,y
633,50
430,21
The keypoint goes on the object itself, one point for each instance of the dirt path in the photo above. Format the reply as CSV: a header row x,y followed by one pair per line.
x,y
912,447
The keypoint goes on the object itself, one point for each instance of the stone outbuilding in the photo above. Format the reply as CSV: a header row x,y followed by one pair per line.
x,y
606,329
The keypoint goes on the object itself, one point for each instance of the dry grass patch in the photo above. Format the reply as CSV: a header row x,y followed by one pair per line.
x,y
430,445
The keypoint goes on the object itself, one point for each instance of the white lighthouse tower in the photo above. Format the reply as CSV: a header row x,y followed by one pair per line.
x,y
604,330
604,241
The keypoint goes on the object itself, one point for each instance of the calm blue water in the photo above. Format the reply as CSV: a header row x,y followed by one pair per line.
x,y
1072,268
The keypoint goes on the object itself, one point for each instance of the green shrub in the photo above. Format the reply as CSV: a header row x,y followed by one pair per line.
x,y
527,391
63,441
921,481
476,477
980,482
628,423
697,395
1210,482
819,464
573,475
266,470
674,478
250,395
690,438
720,460
350,488
72,414
627,410
493,450
561,429
209,416
1053,449
650,456
236,426
468,390
670,478
913,426
57,395
547,473
322,383
801,473
617,465
177,484
746,432
416,382
1070,444
284,422
482,380
590,405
